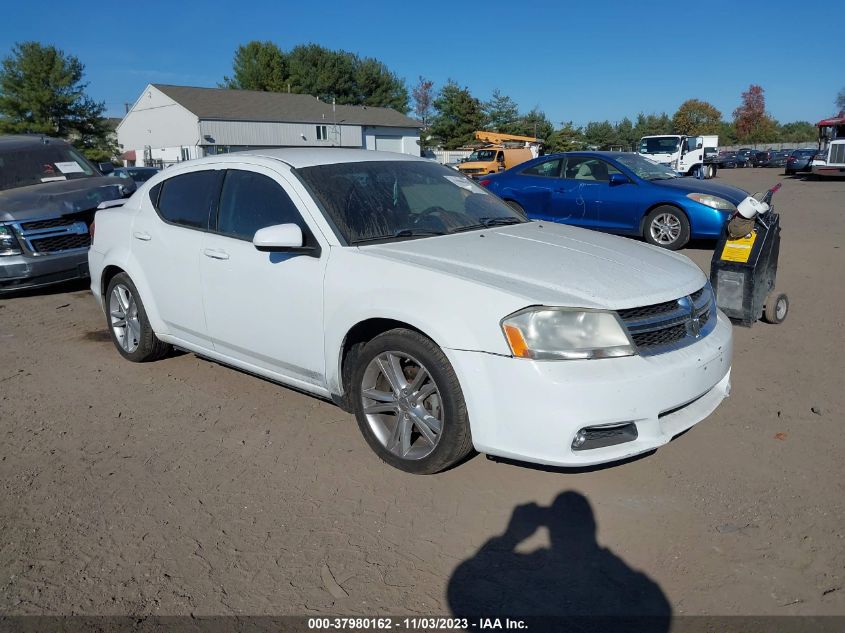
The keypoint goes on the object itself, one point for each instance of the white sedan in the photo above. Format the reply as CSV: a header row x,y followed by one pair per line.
x,y
409,295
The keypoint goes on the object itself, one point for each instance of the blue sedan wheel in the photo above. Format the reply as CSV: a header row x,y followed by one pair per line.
x,y
667,227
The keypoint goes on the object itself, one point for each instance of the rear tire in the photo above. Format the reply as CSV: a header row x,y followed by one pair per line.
x,y
128,324
667,227
415,422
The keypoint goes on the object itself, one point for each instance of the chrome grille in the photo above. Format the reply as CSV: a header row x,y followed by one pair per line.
x,y
837,153
670,325
50,236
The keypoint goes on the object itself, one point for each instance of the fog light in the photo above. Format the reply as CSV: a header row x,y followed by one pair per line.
x,y
580,438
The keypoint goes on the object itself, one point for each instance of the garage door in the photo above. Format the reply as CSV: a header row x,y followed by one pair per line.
x,y
389,143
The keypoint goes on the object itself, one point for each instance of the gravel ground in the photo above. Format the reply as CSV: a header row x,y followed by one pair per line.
x,y
184,487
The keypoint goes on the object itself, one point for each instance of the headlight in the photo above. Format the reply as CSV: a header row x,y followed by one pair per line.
x,y
8,242
545,333
712,201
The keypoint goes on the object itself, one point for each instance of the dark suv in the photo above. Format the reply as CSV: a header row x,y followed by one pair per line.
x,y
48,195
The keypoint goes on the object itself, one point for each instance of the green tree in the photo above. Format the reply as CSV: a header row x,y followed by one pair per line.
x,y
753,124
534,123
798,131
600,134
727,133
258,66
568,138
500,113
377,86
625,134
696,117
42,92
652,124
459,115
319,71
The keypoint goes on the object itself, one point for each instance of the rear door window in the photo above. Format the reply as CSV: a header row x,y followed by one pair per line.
x,y
190,200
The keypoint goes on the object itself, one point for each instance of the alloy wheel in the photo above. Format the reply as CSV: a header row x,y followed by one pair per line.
x,y
665,229
402,404
123,315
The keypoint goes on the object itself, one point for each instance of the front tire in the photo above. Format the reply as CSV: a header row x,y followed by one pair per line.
x,y
667,227
409,404
128,324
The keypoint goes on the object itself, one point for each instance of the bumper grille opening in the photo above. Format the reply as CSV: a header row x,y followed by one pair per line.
x,y
591,437
61,243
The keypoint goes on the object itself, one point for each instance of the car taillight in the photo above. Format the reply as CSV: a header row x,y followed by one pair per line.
x,y
484,182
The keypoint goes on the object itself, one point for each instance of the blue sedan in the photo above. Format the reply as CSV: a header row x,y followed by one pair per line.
x,y
618,193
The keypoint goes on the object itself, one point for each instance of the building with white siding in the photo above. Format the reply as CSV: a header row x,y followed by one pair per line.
x,y
169,124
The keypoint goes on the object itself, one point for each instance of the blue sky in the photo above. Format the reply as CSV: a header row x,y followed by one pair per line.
x,y
577,61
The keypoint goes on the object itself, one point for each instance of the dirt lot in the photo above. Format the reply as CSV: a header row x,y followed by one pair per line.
x,y
185,487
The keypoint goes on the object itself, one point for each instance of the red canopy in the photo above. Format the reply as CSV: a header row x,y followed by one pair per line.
x,y
836,120
128,155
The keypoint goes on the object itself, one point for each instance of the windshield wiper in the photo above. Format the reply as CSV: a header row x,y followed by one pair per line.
x,y
488,222
400,233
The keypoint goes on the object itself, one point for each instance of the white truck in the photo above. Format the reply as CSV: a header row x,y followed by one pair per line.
x,y
687,155
830,161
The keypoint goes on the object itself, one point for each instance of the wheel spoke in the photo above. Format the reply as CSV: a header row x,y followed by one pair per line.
x,y
427,425
425,392
379,396
418,380
381,407
392,371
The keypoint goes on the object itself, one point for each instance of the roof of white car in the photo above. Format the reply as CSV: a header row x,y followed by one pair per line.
x,y
309,156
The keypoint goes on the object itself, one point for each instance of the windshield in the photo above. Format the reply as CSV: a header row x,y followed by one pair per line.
x,y
659,145
645,168
385,200
34,164
482,156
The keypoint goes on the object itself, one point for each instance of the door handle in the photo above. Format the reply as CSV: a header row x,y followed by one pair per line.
x,y
214,254
144,237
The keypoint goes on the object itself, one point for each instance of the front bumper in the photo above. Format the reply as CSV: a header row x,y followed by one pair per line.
x,y
19,272
532,411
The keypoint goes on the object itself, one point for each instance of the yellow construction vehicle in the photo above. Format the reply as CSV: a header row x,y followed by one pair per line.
x,y
503,152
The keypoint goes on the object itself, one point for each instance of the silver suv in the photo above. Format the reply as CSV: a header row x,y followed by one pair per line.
x,y
48,195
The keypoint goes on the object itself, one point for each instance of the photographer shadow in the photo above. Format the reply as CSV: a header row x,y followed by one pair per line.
x,y
574,577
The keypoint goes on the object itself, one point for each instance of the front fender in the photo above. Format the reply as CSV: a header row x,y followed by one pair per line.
x,y
452,312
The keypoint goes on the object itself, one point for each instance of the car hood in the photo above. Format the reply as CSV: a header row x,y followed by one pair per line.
x,y
554,264
695,185
53,199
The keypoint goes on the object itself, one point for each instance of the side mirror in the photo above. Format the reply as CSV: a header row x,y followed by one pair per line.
x,y
279,237
106,168
618,179
699,146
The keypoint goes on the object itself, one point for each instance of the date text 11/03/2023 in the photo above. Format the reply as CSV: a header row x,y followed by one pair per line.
x,y
416,624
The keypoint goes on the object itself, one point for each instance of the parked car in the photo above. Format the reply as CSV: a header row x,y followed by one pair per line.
x,y
759,158
137,174
408,294
728,160
618,193
800,160
48,195
778,158
744,156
